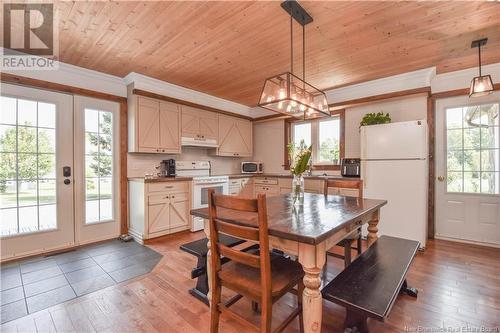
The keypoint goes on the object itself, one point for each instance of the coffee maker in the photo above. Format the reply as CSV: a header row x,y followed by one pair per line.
x,y
167,168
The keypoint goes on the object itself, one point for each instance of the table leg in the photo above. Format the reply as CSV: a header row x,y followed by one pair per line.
x,y
312,258
206,229
372,227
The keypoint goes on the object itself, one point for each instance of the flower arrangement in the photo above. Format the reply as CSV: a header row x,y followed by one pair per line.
x,y
299,156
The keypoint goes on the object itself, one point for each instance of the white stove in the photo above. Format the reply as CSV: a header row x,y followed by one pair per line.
x,y
202,182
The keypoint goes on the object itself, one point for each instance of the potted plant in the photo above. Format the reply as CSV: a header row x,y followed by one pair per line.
x,y
375,119
299,156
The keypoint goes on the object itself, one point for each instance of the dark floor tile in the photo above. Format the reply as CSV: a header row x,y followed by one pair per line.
x,y
84,274
11,295
11,280
49,298
133,271
146,256
103,249
37,265
90,285
45,285
77,265
114,265
9,268
64,258
13,311
102,258
41,274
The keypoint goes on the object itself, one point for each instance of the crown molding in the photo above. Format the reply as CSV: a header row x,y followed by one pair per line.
x,y
461,79
164,88
406,81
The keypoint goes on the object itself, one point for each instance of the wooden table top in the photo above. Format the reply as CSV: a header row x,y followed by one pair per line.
x,y
315,221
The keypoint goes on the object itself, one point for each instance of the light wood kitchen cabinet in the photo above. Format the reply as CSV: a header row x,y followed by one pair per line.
x,y
310,185
241,187
158,208
235,137
266,185
154,126
199,124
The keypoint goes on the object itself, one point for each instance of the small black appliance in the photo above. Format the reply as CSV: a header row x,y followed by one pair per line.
x,y
350,167
167,168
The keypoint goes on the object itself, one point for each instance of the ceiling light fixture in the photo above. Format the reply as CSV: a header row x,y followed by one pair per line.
x,y
286,93
481,85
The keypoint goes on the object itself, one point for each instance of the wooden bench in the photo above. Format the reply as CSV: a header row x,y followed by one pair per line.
x,y
199,249
369,286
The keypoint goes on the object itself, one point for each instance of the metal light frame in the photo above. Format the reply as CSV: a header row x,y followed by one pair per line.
x,y
279,93
484,81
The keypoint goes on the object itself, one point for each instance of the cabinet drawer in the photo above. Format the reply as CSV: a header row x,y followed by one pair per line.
x,y
266,180
235,182
169,187
269,190
158,199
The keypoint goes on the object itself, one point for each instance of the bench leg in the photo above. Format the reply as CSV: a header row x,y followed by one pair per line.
x,y
201,289
354,319
407,290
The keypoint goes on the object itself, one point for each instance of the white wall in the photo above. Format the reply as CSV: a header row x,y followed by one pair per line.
x,y
139,164
401,109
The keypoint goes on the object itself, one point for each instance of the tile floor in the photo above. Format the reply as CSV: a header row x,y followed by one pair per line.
x,y
37,283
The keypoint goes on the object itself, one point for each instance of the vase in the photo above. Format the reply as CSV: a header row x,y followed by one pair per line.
x,y
298,190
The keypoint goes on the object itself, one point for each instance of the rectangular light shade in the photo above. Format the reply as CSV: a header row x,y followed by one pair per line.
x,y
289,95
481,86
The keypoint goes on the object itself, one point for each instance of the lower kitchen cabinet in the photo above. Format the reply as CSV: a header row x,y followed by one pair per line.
x,y
158,208
242,187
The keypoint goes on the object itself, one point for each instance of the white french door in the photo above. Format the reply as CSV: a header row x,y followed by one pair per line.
x,y
96,169
36,147
59,172
468,169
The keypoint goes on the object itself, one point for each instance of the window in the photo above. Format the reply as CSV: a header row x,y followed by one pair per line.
x,y
27,166
325,136
473,149
98,166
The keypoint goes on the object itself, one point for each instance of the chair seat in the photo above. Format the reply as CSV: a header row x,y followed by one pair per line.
x,y
285,274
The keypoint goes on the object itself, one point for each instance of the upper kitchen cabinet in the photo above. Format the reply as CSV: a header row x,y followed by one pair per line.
x,y
235,137
199,127
154,126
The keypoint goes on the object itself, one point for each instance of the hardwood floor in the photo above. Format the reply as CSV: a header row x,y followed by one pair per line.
x,y
459,285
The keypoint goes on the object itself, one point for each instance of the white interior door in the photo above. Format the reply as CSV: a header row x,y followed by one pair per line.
x,y
468,169
36,198
97,195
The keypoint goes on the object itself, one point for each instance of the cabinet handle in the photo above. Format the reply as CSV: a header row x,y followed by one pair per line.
x,y
169,186
166,197
163,150
173,197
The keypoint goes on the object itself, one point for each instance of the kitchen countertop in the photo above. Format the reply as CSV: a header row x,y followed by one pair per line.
x,y
160,179
287,175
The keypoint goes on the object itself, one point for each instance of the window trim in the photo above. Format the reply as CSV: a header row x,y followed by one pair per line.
x,y
316,166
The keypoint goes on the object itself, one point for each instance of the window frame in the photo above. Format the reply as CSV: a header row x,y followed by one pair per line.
x,y
314,140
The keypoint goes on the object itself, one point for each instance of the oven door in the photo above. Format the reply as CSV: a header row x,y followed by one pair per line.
x,y
200,193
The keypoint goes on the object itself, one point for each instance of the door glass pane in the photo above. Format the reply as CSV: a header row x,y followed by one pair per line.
x,y
27,166
98,166
473,153
329,141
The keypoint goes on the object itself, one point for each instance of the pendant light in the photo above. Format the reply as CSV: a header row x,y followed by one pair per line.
x,y
481,85
288,94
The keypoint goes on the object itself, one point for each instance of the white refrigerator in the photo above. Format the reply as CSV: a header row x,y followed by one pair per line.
x,y
394,167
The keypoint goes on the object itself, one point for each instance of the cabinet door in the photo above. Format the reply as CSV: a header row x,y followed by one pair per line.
x,y
209,125
169,128
158,213
179,210
148,124
190,122
235,137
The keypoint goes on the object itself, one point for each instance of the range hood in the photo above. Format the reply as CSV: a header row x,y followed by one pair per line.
x,y
198,142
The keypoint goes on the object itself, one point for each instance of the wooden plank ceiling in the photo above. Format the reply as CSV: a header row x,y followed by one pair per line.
x,y
227,49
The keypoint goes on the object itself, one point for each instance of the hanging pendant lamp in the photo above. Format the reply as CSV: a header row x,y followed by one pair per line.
x,y
288,94
481,85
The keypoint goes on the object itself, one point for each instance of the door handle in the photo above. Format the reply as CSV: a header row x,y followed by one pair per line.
x,y
67,181
67,171
441,178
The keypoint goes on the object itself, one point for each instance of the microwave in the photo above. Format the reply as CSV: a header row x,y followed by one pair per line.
x,y
252,167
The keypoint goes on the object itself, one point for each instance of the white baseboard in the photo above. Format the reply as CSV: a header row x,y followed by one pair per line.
x,y
465,241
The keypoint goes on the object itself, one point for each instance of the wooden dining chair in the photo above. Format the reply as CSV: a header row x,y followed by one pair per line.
x,y
260,276
347,242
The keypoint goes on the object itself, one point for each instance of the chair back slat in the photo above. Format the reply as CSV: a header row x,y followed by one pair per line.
x,y
239,256
239,231
348,184
235,203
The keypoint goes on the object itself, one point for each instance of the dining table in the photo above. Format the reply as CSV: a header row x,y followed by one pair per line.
x,y
308,229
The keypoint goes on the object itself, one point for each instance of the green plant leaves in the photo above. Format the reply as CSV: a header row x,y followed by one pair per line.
x,y
375,119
